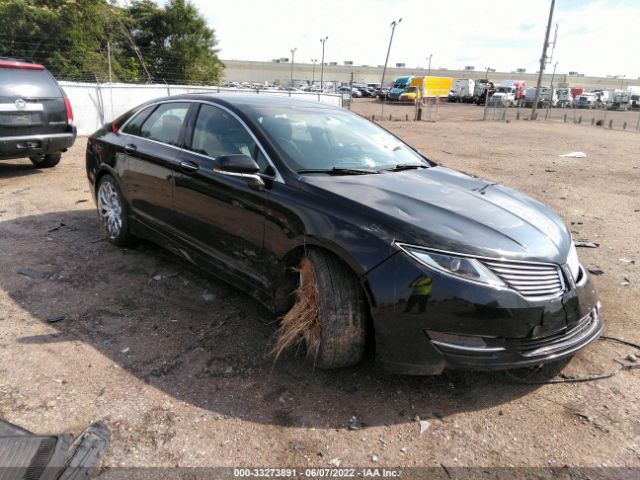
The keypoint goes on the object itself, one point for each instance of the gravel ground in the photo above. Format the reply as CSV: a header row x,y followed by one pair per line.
x,y
183,379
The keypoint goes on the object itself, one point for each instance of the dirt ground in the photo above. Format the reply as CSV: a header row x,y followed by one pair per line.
x,y
185,380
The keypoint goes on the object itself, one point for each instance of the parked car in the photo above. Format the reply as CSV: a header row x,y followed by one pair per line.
x,y
434,267
36,119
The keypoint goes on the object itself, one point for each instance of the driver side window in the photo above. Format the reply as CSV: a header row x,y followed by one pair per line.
x,y
216,133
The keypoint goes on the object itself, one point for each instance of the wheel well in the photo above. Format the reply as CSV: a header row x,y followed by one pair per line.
x,y
284,298
99,175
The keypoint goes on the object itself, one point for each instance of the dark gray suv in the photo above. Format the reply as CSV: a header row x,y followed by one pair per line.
x,y
36,119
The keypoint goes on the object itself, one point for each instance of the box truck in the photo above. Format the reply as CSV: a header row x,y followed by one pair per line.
x,y
422,87
462,90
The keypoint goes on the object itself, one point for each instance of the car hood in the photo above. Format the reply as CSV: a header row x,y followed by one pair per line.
x,y
444,209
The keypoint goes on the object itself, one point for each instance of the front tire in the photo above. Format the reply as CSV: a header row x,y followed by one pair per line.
x,y
330,313
46,161
113,212
342,313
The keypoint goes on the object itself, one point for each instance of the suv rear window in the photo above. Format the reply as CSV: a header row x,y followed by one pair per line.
x,y
21,83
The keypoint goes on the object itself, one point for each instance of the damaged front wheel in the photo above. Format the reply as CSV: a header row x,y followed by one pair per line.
x,y
330,314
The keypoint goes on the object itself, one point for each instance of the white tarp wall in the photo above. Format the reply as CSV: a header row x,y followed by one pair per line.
x,y
95,104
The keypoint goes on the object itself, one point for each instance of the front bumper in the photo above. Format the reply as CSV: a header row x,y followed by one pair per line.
x,y
502,353
33,145
465,326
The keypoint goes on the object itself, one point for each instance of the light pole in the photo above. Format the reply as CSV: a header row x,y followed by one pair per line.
x,y
293,52
543,62
313,74
384,70
429,58
323,41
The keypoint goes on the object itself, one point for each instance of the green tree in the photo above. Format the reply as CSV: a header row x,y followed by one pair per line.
x,y
70,37
175,41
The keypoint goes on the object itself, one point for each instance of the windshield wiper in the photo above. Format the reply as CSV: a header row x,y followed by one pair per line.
x,y
402,166
338,171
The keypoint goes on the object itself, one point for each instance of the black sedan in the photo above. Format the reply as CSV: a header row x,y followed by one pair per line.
x,y
355,237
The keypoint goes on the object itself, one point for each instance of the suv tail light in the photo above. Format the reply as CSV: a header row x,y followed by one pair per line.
x,y
21,65
67,106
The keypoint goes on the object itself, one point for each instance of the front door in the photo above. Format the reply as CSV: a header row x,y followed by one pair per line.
x,y
222,216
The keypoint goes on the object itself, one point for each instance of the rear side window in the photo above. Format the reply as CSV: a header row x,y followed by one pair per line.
x,y
21,83
133,127
165,123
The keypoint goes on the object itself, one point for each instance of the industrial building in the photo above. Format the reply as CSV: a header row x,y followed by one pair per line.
x,y
279,72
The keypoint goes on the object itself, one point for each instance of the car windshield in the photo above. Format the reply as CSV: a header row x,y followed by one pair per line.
x,y
333,140
412,89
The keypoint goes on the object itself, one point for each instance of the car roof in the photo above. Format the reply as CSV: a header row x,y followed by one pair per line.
x,y
245,102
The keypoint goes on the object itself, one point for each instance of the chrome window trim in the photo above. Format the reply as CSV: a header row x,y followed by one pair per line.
x,y
277,177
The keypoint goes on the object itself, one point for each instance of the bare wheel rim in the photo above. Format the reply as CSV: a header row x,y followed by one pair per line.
x,y
110,208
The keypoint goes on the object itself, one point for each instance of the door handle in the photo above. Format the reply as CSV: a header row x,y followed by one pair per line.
x,y
130,148
189,167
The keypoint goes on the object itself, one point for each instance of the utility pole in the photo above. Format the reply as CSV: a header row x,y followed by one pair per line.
x,y
109,60
323,41
553,76
543,61
110,77
429,71
313,75
384,70
293,53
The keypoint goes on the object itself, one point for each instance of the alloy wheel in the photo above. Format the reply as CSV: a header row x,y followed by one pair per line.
x,y
110,208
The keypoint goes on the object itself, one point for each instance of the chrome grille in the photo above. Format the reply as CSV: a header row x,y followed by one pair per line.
x,y
531,280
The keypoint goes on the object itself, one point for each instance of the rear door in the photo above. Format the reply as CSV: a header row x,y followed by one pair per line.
x,y
31,102
149,145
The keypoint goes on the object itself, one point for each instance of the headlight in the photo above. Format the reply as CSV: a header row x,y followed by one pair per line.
x,y
465,268
573,262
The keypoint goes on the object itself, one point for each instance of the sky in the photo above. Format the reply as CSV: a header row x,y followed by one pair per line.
x,y
595,37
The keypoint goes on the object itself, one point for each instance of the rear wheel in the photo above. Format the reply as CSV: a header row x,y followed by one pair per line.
x,y
46,161
330,315
113,211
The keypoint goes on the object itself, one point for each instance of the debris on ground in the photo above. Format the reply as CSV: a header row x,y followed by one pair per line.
x,y
31,273
55,318
625,282
627,260
595,271
403,450
580,243
374,458
81,200
157,277
208,296
297,446
424,426
55,229
354,423
574,155
125,350
335,462
631,358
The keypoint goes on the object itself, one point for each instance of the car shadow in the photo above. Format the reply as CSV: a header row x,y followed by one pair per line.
x,y
9,169
202,341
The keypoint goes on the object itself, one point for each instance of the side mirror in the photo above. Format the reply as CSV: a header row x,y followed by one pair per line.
x,y
236,164
239,165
